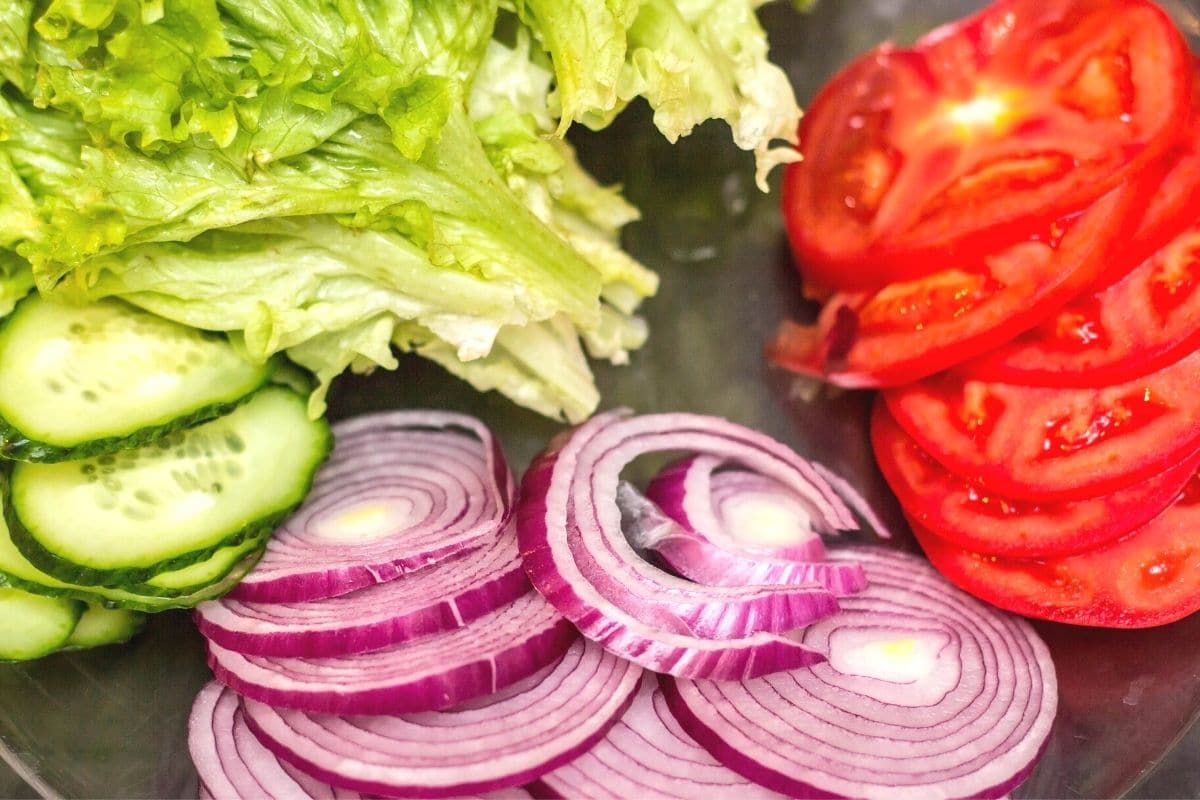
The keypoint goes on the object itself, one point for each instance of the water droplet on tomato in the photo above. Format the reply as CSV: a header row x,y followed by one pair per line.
x,y
998,507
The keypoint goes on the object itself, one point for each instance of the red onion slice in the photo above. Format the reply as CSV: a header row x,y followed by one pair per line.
x,y
401,490
855,500
647,755
231,761
735,528
926,693
440,597
738,510
576,554
505,741
436,671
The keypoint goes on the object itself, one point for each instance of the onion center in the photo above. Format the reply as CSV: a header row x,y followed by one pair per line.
x,y
885,655
366,522
767,522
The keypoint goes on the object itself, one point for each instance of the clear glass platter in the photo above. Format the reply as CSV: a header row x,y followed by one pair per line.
x,y
112,722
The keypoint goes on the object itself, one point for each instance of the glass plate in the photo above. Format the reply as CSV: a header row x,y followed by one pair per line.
x,y
112,722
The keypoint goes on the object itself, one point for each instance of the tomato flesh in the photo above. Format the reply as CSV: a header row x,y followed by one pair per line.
x,y
908,330
983,131
1048,443
965,514
1149,577
1147,319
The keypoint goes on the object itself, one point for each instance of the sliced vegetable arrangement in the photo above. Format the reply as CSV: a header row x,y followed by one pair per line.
x,y
1001,222
469,674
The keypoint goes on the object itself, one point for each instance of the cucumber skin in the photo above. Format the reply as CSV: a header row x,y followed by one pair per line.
x,y
16,446
80,607
137,626
146,604
70,572
150,590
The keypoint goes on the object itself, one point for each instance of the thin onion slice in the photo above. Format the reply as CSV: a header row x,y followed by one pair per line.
x,y
647,755
506,740
433,672
926,693
402,490
738,509
855,500
233,764
735,528
441,597
576,554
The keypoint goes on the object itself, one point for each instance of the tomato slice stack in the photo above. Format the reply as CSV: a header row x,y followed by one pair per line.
x,y
1003,224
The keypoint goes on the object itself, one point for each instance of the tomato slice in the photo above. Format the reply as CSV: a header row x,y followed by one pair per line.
x,y
1149,577
985,128
962,512
1135,326
909,330
1175,203
1145,320
1046,443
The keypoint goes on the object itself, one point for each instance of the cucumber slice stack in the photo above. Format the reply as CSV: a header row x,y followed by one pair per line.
x,y
34,625
143,464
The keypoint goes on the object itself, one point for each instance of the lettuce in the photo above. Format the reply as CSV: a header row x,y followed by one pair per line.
x,y
39,157
16,16
339,180
707,59
692,60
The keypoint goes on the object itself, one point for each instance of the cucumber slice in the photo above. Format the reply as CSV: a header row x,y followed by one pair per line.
x,y
32,626
199,576
100,626
121,519
17,572
82,381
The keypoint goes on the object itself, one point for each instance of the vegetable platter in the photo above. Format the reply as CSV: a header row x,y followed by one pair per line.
x,y
114,721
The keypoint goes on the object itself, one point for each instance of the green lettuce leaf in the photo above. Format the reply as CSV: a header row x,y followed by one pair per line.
x,y
695,60
39,156
16,16
692,60
263,79
334,298
451,203
539,366
587,40
509,106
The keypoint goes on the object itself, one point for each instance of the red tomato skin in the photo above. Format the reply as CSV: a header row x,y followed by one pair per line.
x,y
903,166
965,514
1055,444
956,315
1147,578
